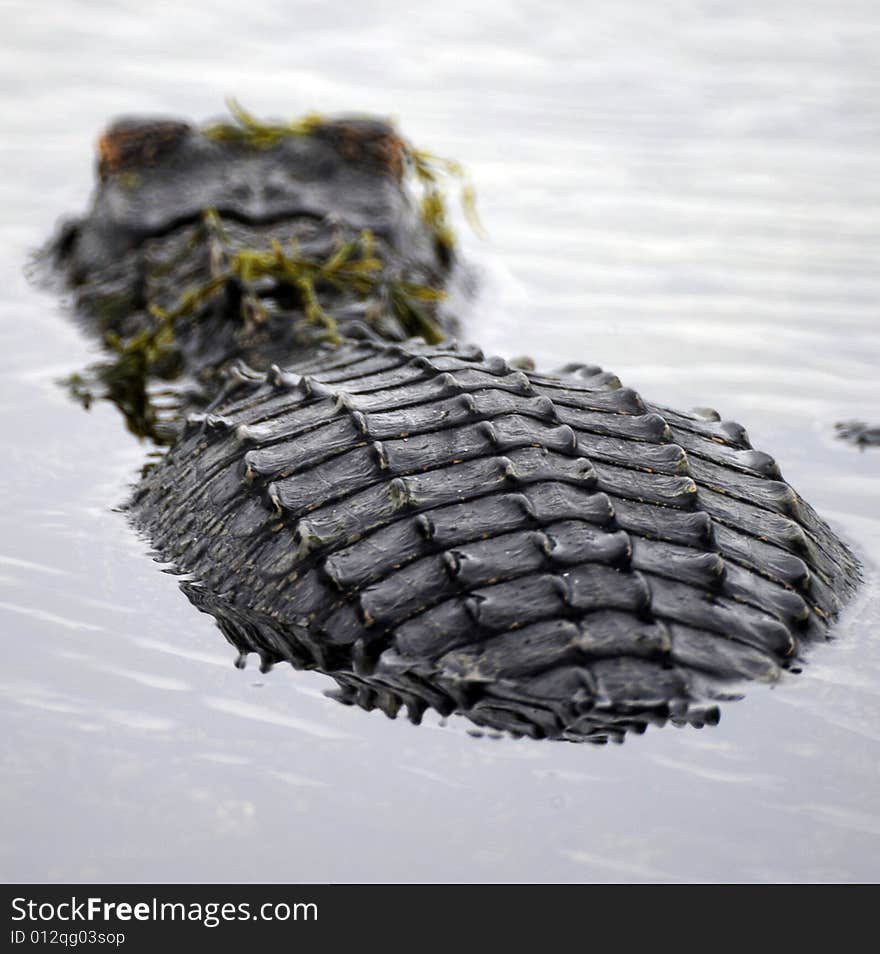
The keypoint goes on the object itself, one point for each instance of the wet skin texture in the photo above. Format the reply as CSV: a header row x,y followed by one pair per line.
x,y
547,554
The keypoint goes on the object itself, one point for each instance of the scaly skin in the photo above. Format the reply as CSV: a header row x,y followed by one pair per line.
x,y
547,554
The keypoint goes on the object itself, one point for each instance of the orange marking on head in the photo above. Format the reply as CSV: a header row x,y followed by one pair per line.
x,y
132,144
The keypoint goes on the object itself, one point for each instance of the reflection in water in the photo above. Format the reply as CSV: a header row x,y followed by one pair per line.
x,y
124,383
547,554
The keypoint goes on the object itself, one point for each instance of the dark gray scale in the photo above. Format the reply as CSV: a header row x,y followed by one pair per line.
x,y
517,468
516,653
748,461
291,422
691,529
709,426
365,367
766,526
724,658
678,492
669,459
650,427
619,401
551,643
483,405
336,436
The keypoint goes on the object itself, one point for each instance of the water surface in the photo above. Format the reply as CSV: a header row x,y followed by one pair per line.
x,y
683,192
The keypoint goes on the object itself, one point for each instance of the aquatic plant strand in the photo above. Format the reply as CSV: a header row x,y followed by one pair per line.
x,y
428,171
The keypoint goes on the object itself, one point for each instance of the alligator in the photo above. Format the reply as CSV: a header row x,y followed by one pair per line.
x,y
351,490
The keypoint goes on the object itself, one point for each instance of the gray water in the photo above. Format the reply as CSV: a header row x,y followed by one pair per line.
x,y
684,192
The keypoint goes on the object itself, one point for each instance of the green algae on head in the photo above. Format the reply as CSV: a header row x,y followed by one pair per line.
x,y
427,171
352,268
248,130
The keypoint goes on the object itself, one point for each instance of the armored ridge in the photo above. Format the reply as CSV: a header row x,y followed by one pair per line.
x,y
549,555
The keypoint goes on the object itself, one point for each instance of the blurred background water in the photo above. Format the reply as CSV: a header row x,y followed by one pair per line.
x,y
684,192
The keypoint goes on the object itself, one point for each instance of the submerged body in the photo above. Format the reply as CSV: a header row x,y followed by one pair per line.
x,y
547,554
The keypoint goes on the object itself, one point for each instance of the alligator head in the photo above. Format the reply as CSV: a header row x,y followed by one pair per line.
x,y
158,175
206,246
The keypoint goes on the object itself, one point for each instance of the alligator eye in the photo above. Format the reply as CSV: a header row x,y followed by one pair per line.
x,y
372,143
132,144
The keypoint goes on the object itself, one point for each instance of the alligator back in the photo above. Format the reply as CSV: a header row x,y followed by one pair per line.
x,y
549,555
